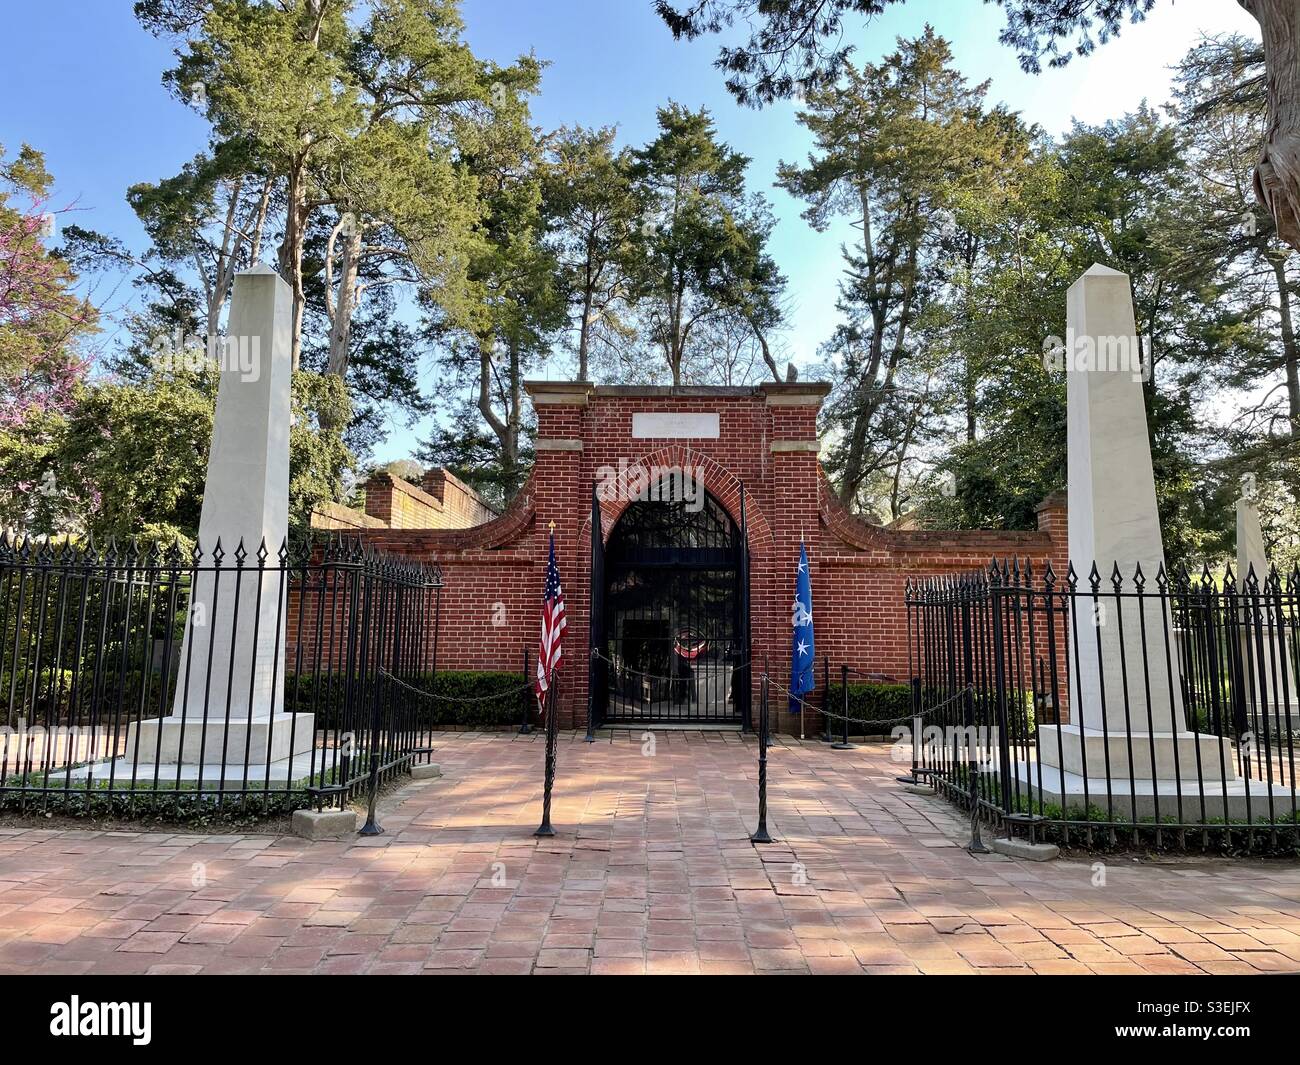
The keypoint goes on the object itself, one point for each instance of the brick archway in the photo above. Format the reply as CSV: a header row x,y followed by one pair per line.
x,y
719,482
625,485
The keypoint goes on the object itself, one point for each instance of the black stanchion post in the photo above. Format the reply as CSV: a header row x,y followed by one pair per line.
x,y
827,737
760,834
591,698
968,719
371,827
972,769
916,733
844,744
525,728
545,829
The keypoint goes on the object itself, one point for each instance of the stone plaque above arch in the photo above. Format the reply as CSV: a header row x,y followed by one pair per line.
x,y
675,425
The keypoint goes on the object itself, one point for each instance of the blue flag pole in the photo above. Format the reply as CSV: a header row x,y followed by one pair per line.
x,y
803,655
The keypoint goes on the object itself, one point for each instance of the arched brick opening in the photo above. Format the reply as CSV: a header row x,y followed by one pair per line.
x,y
718,481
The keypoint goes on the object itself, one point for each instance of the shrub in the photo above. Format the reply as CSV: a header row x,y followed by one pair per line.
x,y
468,698
139,803
870,702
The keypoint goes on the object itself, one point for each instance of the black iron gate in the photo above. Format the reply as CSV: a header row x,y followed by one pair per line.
x,y
597,693
674,637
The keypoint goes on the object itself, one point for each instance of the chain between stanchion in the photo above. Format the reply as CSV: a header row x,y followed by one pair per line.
x,y
804,704
626,670
503,694
924,711
767,683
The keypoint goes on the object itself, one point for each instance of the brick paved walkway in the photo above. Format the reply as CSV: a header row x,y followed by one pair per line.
x,y
651,871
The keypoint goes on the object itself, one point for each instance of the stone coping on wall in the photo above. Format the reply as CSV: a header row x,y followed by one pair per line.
x,y
1057,500
579,393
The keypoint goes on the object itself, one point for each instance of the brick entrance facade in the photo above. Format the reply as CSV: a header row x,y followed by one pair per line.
x,y
766,440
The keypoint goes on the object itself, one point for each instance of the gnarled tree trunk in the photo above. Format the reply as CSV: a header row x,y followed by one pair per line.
x,y
1277,175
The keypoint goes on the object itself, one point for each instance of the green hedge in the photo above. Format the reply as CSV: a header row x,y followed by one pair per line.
x,y
490,699
870,702
876,702
237,810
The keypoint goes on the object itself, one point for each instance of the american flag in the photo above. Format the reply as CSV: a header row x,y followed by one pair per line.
x,y
553,625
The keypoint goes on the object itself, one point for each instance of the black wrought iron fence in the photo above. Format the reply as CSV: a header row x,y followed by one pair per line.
x,y
132,676
1119,710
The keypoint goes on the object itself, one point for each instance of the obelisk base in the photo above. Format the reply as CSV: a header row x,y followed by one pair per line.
x,y
1120,756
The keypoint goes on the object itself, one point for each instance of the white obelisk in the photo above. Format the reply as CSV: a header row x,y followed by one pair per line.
x,y
1125,692
1112,508
231,673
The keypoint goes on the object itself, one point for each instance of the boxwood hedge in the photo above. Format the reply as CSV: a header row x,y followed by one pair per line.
x,y
465,698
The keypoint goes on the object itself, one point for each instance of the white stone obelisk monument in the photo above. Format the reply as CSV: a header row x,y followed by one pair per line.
x,y
1269,662
1126,695
1112,501
231,676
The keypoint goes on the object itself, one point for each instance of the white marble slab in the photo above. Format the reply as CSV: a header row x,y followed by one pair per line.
x,y
675,426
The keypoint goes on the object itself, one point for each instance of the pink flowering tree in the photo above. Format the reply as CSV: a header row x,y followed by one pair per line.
x,y
43,326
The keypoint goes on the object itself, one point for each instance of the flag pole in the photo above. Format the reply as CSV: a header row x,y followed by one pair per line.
x,y
547,659
548,779
802,642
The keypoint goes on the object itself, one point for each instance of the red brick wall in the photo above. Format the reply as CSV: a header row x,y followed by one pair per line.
x,y
461,505
442,503
493,573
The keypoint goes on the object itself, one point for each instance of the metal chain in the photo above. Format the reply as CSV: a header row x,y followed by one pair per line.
x,y
509,692
803,703
772,681
874,721
624,670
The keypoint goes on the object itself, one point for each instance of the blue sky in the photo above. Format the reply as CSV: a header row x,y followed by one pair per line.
x,y
85,88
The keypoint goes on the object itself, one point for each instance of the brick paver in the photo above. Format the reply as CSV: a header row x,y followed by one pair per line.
x,y
651,872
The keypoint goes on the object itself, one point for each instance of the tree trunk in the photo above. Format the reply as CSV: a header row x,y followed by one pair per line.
x,y
1290,357
510,455
763,346
969,398
584,334
506,430
227,258
676,346
295,226
1277,174
895,507
866,405
255,246
872,392
343,305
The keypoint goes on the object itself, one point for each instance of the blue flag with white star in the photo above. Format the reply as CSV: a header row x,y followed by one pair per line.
x,y
803,657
